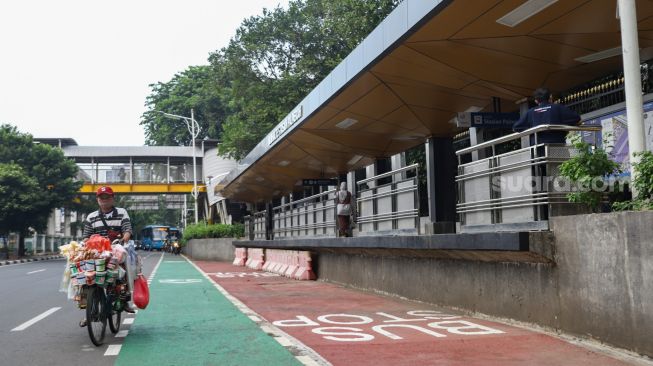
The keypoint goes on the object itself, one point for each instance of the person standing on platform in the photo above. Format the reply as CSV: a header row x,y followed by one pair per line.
x,y
547,113
345,210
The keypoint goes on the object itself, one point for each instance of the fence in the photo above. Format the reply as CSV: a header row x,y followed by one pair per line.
x,y
391,206
515,190
310,216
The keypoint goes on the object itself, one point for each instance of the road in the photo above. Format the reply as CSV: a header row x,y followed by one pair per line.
x,y
30,290
214,313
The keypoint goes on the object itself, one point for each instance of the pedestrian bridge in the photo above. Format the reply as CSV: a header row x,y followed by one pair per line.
x,y
146,169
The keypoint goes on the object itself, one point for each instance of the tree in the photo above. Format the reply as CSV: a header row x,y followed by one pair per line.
x,y
18,198
192,88
53,173
277,58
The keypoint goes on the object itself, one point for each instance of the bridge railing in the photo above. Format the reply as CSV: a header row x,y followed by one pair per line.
x,y
516,190
308,217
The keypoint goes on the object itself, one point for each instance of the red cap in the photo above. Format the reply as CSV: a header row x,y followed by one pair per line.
x,y
104,190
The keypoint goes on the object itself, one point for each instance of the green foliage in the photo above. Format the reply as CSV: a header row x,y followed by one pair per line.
x,y
274,60
643,184
43,165
587,169
19,195
202,231
193,88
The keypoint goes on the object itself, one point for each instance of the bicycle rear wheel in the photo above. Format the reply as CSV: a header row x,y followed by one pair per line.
x,y
96,314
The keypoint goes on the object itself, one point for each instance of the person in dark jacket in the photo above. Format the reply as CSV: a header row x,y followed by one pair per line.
x,y
547,113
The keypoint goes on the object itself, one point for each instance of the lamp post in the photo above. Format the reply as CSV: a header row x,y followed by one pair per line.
x,y
194,130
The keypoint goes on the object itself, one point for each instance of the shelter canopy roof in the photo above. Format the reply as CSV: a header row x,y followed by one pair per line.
x,y
424,63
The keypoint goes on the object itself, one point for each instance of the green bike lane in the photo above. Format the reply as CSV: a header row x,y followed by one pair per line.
x,y
189,322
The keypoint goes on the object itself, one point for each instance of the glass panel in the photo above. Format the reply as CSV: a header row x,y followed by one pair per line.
x,y
150,173
112,173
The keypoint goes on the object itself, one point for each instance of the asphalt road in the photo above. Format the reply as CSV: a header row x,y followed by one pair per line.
x,y
39,325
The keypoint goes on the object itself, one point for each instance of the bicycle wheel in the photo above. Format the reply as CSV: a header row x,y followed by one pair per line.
x,y
115,318
96,315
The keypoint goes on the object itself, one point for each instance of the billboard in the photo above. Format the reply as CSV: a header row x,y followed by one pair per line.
x,y
614,126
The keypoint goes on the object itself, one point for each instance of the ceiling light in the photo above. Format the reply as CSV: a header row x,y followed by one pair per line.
x,y
354,160
524,11
284,163
474,109
601,55
346,123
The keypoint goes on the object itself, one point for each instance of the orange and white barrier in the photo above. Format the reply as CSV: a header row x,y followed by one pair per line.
x,y
289,263
255,258
305,267
241,257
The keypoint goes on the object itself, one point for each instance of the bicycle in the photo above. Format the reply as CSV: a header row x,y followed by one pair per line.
x,y
104,306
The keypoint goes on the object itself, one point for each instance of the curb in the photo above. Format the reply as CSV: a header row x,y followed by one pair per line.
x,y
26,260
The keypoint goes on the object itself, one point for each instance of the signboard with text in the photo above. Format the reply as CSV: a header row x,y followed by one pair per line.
x,y
493,120
319,182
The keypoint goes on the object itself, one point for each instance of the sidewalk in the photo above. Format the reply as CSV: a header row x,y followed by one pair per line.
x,y
6,262
191,321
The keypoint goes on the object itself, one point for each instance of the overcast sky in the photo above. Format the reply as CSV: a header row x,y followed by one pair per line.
x,y
81,69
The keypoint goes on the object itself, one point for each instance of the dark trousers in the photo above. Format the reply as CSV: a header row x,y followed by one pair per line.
x,y
343,225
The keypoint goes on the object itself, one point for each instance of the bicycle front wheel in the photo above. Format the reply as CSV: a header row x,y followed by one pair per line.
x,y
96,314
114,320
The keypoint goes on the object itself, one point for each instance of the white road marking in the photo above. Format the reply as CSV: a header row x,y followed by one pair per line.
x,y
39,270
122,334
181,281
113,350
128,321
28,323
283,341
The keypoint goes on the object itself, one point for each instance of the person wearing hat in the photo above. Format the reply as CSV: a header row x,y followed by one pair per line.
x,y
108,221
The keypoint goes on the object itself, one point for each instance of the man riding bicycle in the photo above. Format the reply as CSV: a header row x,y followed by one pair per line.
x,y
108,221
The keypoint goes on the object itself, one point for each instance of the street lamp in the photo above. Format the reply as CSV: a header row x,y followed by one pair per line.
x,y
194,130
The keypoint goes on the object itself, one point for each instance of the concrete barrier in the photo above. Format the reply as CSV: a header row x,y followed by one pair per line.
x,y
219,249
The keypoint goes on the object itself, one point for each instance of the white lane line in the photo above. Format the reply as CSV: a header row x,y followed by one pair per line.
x,y
113,350
28,323
39,270
122,334
128,321
284,341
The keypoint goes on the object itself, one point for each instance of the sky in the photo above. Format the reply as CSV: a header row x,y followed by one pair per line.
x,y
81,69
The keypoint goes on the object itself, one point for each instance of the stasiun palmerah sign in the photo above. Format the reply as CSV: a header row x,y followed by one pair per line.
x,y
285,124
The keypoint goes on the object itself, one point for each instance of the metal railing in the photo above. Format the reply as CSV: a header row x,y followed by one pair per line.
x,y
308,217
520,188
389,207
259,225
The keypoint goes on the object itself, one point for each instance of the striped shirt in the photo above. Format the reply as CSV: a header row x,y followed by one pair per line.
x,y
117,220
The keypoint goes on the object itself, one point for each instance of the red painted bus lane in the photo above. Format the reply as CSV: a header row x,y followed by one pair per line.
x,y
350,327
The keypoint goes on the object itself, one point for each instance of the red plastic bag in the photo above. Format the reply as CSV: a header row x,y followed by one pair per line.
x,y
141,292
98,243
